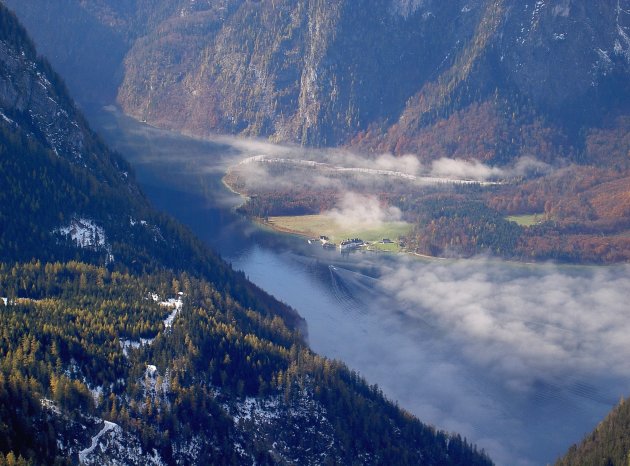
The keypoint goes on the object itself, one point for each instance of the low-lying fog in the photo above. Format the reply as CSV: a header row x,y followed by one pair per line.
x,y
523,360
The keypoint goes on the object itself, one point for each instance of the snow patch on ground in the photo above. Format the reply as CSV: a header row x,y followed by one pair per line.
x,y
188,452
132,221
133,344
6,118
257,409
97,393
173,303
85,233
275,421
84,453
540,4
176,304
604,63
602,67
157,233
622,43
155,386
151,371
527,28
115,447
50,405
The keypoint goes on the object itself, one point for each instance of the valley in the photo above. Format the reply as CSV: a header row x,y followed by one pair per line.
x,y
527,211
125,339
463,103
314,232
417,327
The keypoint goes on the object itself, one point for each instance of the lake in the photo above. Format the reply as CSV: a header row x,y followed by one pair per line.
x,y
521,359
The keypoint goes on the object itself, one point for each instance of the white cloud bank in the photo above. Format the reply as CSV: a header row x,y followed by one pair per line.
x,y
525,326
363,212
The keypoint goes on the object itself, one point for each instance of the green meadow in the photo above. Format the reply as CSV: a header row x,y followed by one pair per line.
x,y
314,226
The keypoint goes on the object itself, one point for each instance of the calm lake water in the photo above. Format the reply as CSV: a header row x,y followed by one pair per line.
x,y
522,360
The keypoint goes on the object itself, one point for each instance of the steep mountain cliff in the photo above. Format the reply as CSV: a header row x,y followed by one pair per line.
x,y
375,74
497,81
125,341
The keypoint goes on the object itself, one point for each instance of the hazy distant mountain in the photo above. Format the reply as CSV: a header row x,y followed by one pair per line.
x,y
124,340
485,79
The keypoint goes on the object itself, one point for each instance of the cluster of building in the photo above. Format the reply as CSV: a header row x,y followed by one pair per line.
x,y
346,245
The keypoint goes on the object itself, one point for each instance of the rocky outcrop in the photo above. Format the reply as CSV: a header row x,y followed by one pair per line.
x,y
375,74
34,101
27,95
307,71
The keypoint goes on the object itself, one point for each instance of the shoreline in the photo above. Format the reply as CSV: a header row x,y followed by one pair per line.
x,y
279,229
303,235
244,198
420,256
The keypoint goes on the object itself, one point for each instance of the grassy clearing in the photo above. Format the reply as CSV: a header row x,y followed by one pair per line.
x,y
316,225
526,220
387,247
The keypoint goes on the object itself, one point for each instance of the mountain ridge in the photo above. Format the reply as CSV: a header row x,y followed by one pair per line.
x,y
374,76
125,340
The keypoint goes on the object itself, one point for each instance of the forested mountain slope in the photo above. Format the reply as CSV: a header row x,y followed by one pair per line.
x,y
607,445
123,340
503,82
475,79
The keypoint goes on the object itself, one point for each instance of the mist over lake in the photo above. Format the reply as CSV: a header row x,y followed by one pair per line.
x,y
521,359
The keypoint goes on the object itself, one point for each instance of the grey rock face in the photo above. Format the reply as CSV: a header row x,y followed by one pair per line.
x,y
557,51
26,92
326,72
